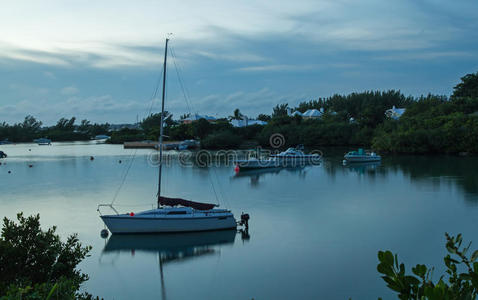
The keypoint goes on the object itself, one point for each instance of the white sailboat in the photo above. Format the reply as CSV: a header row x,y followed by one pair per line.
x,y
172,214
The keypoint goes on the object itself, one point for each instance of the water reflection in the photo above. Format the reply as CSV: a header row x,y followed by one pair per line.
x,y
255,175
363,167
171,248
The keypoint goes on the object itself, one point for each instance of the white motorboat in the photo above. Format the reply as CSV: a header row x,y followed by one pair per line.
x,y
292,157
42,141
172,214
296,156
100,137
362,156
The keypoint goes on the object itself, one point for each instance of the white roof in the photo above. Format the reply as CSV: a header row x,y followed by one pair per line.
x,y
246,122
394,112
196,117
312,113
296,113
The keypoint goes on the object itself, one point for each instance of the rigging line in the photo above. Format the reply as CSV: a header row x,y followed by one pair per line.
x,y
124,176
212,184
133,155
181,84
223,195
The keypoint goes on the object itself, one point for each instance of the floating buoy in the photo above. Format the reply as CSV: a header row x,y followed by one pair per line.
x,y
29,149
236,169
119,161
92,158
131,214
9,172
104,233
30,166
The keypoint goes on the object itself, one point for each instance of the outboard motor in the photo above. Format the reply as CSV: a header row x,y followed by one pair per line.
x,y
244,220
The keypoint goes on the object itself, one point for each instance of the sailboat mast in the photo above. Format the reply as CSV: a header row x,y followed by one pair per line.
x,y
162,121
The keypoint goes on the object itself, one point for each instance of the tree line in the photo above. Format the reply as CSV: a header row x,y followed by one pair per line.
x,y
64,130
430,124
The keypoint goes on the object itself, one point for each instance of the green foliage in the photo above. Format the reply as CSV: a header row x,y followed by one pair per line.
x,y
461,280
153,121
126,135
264,117
35,263
468,87
280,110
432,124
221,140
237,115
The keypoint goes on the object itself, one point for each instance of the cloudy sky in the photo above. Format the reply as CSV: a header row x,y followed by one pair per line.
x,y
101,60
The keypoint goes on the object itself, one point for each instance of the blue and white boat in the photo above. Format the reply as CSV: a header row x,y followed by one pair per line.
x,y
42,141
362,156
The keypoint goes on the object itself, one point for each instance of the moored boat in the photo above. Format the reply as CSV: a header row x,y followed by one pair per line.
x,y
362,156
292,157
42,141
171,214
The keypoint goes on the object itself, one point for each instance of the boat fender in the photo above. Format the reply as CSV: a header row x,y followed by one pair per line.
x,y
131,214
104,233
236,169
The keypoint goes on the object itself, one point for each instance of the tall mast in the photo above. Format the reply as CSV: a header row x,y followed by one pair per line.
x,y
162,121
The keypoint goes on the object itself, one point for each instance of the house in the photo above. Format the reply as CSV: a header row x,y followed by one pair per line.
x,y
197,117
394,113
313,114
246,122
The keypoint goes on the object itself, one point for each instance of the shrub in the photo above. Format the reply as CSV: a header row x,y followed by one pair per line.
x,y
457,285
33,262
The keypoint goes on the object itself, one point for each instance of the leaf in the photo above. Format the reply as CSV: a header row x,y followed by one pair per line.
x,y
52,291
388,257
474,256
384,268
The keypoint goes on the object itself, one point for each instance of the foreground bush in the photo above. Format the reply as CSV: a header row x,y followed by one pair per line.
x,y
460,281
36,264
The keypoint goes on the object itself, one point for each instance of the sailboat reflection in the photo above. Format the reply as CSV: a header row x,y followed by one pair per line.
x,y
174,247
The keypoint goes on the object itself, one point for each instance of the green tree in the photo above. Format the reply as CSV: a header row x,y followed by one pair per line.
x,y
280,110
237,115
264,117
468,87
33,261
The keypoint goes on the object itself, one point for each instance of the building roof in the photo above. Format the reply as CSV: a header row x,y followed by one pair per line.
x,y
395,113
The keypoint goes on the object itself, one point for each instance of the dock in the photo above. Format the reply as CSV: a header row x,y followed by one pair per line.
x,y
150,145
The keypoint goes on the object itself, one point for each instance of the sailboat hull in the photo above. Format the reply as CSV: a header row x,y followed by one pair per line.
x,y
121,224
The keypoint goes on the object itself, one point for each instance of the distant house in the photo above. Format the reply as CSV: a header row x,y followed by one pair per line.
x,y
197,117
394,113
313,114
246,122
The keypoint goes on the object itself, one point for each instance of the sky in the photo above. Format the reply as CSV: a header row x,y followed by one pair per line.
x,y
101,60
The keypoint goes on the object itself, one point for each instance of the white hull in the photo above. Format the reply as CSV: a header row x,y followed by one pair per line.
x,y
159,223
278,161
362,158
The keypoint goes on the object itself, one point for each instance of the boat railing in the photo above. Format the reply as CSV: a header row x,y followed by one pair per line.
x,y
106,205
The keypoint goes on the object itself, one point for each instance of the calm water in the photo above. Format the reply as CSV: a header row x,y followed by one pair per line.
x,y
314,232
